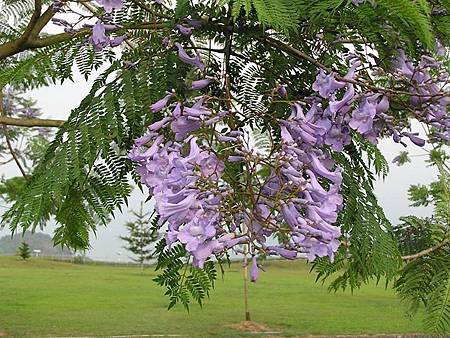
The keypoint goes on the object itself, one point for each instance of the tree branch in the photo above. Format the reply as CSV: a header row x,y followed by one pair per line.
x,y
300,55
426,251
147,8
31,31
12,121
13,153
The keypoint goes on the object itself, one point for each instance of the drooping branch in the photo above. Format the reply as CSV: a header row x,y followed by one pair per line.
x,y
12,121
426,251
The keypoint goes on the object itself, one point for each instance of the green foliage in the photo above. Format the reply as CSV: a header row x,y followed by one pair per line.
x,y
281,14
182,281
402,158
83,176
426,281
369,249
10,189
24,251
415,234
412,17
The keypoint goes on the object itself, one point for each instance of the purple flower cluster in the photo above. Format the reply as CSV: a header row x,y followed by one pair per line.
x,y
430,93
294,194
187,189
366,113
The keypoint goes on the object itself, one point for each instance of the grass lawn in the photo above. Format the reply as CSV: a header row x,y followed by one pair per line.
x,y
45,298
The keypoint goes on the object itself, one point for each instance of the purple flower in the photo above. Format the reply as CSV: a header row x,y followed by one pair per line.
x,y
211,166
282,92
326,85
414,138
161,104
197,231
288,254
204,251
362,117
320,169
193,61
342,106
337,137
200,84
182,126
194,23
254,272
185,31
165,42
159,124
405,67
109,5
118,40
98,38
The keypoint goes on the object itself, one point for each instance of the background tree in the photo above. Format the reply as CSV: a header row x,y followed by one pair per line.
x,y
425,246
24,251
143,232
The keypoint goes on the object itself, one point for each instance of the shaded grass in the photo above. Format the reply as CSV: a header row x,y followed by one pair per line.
x,y
45,298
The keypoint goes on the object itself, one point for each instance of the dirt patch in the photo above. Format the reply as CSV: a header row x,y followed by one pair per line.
x,y
253,327
3,334
369,336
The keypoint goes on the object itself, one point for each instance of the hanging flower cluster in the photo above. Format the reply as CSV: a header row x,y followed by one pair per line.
x,y
182,162
429,105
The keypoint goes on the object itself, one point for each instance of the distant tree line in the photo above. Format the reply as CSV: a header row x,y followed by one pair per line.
x,y
37,241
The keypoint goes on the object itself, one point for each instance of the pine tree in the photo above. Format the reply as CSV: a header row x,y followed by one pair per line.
x,y
141,235
24,251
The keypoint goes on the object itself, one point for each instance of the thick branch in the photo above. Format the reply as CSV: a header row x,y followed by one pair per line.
x,y
11,121
427,251
55,39
32,30
43,20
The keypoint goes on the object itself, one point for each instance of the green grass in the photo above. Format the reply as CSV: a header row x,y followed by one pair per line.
x,y
44,298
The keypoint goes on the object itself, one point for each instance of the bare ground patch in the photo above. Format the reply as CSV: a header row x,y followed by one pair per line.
x,y
253,327
361,336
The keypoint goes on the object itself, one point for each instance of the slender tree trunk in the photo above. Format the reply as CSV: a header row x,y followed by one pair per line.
x,y
246,309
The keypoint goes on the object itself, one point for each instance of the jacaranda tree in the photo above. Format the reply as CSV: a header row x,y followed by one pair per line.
x,y
253,123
